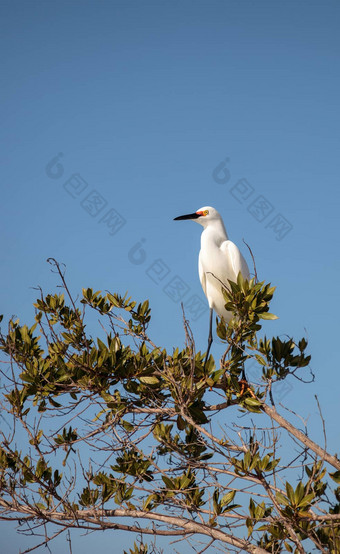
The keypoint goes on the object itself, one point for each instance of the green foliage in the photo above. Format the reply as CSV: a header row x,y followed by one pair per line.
x,y
141,549
132,462
140,429
249,302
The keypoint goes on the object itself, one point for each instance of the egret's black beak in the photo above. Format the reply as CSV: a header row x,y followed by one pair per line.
x,y
188,216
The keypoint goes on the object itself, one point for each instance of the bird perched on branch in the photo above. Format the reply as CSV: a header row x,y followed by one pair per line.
x,y
219,260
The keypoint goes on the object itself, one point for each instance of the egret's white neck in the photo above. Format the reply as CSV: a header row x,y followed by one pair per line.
x,y
215,231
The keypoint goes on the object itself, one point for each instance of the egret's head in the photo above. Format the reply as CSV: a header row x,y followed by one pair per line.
x,y
203,216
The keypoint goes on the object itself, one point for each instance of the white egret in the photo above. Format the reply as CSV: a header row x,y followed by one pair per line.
x,y
219,260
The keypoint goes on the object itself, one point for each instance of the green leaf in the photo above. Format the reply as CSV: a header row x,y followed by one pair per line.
x,y
227,498
168,482
267,315
127,425
261,360
335,476
282,499
54,403
149,501
299,493
290,493
149,380
181,423
253,405
306,500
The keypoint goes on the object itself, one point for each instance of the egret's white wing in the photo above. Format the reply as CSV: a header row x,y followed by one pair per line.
x,y
238,263
202,275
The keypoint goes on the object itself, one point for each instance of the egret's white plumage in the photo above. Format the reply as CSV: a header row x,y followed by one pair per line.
x,y
219,261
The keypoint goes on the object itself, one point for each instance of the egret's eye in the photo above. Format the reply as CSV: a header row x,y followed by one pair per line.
x,y
205,212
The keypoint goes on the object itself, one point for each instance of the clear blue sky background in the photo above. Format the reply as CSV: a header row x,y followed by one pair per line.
x,y
144,99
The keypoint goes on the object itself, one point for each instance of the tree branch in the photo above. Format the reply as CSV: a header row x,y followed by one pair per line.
x,y
271,412
96,516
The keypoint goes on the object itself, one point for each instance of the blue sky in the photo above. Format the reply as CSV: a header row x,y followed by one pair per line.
x,y
146,101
